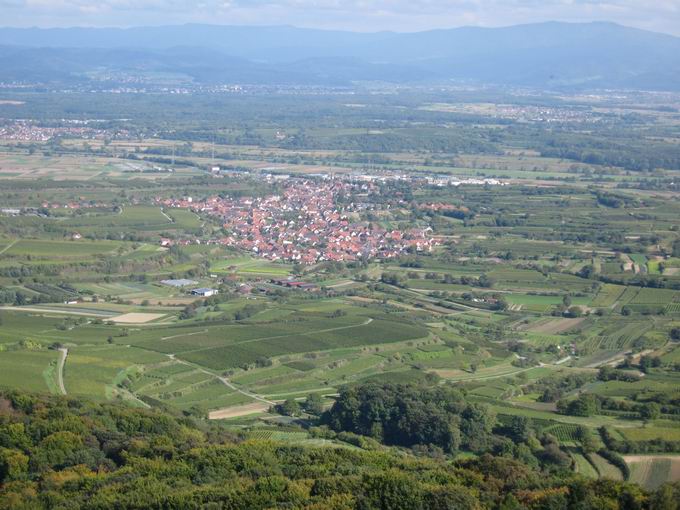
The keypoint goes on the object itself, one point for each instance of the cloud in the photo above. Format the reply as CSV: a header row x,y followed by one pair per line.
x,y
364,15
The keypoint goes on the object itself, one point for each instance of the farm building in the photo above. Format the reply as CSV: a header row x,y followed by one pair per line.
x,y
179,283
291,284
205,292
245,289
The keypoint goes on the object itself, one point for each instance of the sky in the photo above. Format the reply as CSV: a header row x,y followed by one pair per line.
x,y
356,15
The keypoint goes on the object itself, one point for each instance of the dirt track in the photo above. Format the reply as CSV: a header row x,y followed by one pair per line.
x,y
63,353
237,411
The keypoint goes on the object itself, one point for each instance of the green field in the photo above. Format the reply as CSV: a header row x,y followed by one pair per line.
x,y
28,370
653,471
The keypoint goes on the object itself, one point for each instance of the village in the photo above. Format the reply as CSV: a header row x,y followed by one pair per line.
x,y
307,223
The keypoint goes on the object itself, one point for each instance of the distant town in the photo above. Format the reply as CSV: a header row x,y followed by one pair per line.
x,y
306,224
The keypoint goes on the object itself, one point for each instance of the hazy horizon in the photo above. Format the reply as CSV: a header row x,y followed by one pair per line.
x,y
356,16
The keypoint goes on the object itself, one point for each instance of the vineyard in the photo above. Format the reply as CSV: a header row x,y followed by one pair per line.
x,y
608,295
565,433
276,435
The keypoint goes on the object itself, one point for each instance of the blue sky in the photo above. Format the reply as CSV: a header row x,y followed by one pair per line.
x,y
360,15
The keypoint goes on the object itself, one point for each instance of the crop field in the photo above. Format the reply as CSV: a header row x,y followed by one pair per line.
x,y
210,396
650,383
184,219
126,290
583,466
652,432
628,295
183,339
276,435
654,297
604,468
555,326
245,352
566,433
619,335
139,217
60,249
92,371
28,370
250,266
651,471
17,325
541,303
608,295
673,355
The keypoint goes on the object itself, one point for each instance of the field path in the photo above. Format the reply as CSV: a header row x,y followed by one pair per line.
x,y
63,354
56,311
422,295
262,400
168,217
9,246
184,334
238,411
613,359
339,328
225,381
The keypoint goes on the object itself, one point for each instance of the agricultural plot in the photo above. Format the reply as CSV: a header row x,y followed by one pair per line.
x,y
650,383
541,303
652,432
555,326
672,356
246,352
126,290
583,466
71,250
619,335
628,295
277,435
136,318
651,471
184,219
28,370
565,433
648,296
210,395
138,217
604,468
185,338
93,371
251,266
17,326
608,295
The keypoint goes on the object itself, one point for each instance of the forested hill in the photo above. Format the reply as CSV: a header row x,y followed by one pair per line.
x,y
545,55
71,454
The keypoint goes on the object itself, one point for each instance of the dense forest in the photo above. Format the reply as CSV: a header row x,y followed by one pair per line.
x,y
67,453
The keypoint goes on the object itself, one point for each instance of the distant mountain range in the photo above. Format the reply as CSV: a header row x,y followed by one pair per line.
x,y
547,55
